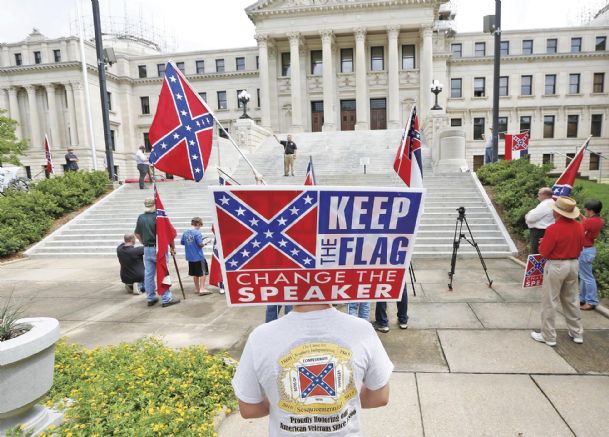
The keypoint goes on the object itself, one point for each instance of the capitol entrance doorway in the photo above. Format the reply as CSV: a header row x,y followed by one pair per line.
x,y
378,114
317,116
347,115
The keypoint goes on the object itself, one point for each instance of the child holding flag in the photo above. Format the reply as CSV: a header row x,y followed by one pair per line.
x,y
193,243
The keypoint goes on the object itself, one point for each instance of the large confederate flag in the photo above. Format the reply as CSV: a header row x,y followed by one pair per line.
x,y
165,234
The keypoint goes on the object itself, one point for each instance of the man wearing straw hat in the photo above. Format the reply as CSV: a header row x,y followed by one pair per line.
x,y
561,245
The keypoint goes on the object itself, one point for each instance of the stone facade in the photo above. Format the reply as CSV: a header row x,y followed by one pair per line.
x,y
327,65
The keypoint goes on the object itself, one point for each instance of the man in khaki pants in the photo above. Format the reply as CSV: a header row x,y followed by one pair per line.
x,y
561,245
289,155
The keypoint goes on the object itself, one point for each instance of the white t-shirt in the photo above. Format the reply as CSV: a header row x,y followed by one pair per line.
x,y
311,367
541,216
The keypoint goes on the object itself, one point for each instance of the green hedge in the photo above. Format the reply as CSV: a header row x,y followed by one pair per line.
x,y
25,217
514,185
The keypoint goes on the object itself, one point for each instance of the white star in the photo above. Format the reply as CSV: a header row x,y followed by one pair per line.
x,y
183,112
245,253
188,128
198,124
308,199
233,263
294,251
163,145
191,142
282,221
256,243
268,234
197,170
195,157
224,200
240,211
306,261
172,78
176,136
178,96
254,222
283,243
294,210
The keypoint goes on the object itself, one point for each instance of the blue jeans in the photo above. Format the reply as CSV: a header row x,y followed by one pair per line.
x,y
587,283
272,312
359,309
150,276
488,155
380,312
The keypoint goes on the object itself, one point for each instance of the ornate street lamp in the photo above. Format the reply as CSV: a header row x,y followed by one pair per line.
x,y
436,88
244,97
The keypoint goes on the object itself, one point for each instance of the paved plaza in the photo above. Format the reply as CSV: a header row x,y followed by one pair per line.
x,y
466,365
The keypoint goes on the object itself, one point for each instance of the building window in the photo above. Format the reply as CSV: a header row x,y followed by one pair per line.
x,y
456,50
219,65
480,49
57,55
548,158
239,104
525,123
503,86
285,64
258,98
145,103
595,161
316,62
598,85
377,61
569,158
479,86
240,64
526,85
109,100
502,126
257,62
147,146
37,58
576,45
456,122
18,59
596,125
572,122
574,83
527,46
601,43
180,66
160,69
408,59
551,45
548,126
505,48
456,87
203,95
222,104
112,140
550,88
478,128
346,60
141,71
200,66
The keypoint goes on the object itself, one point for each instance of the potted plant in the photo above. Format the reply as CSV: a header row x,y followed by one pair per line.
x,y
27,359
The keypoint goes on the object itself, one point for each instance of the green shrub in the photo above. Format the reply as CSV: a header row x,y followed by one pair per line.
x,y
140,389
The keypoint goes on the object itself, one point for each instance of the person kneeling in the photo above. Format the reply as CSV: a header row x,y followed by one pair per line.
x,y
131,259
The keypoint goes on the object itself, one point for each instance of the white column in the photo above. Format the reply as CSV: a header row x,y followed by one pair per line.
x,y
296,87
327,41
263,72
72,114
3,99
361,81
426,71
54,126
393,79
13,110
5,60
35,138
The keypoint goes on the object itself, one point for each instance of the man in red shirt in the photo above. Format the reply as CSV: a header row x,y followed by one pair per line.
x,y
561,246
588,298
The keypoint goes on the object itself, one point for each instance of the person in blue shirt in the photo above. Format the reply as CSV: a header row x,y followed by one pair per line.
x,y
193,243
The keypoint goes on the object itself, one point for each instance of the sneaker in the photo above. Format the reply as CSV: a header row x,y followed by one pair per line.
x,y
576,338
538,336
152,302
403,325
587,307
222,291
173,301
204,292
380,328
129,288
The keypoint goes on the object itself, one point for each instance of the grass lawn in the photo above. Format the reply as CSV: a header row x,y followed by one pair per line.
x,y
594,190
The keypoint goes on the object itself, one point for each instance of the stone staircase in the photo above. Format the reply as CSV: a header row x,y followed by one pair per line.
x,y
337,158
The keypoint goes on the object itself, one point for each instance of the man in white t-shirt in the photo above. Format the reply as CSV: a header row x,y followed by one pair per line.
x,y
313,371
540,217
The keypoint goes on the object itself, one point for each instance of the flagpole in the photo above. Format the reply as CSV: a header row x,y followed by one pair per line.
x,y
228,176
403,143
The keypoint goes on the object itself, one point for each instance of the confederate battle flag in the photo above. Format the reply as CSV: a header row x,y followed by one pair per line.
x,y
165,234
48,157
564,184
215,271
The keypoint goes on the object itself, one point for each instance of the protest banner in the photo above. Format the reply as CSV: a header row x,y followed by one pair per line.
x,y
287,245
533,273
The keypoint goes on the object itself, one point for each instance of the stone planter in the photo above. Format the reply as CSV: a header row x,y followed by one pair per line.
x,y
26,375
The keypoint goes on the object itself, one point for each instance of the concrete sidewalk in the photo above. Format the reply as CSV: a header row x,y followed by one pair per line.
x,y
466,366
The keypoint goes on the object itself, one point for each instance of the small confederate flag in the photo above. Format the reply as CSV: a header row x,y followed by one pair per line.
x,y
165,234
49,158
564,184
408,163
215,271
516,146
533,274
310,178
182,129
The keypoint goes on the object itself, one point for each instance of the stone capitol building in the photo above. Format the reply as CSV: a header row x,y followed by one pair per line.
x,y
327,65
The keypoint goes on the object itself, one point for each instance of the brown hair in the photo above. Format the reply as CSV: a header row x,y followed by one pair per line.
x,y
196,221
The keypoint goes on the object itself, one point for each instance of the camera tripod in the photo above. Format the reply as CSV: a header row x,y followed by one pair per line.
x,y
457,242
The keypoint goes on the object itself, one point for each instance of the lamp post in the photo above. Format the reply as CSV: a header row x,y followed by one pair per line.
x,y
436,88
244,98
